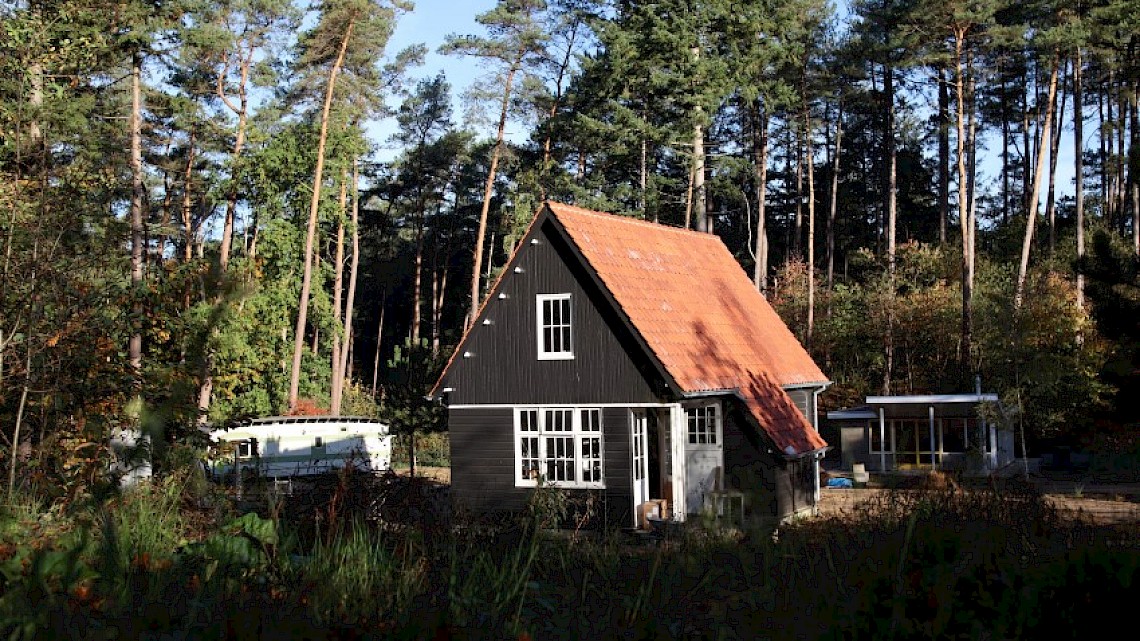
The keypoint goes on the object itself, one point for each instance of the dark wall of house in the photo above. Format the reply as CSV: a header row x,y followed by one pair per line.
x,y
483,465
608,366
483,461
618,464
801,481
773,487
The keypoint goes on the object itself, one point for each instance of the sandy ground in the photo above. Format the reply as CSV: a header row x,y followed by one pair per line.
x,y
1100,508
440,474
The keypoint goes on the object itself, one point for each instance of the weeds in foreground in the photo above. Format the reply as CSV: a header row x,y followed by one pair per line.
x,y
998,563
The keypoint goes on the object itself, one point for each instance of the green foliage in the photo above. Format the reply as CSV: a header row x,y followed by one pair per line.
x,y
412,370
1048,357
1113,288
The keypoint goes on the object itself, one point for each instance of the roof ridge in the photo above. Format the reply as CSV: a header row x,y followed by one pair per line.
x,y
574,209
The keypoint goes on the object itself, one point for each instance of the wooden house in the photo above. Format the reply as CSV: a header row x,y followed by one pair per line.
x,y
637,361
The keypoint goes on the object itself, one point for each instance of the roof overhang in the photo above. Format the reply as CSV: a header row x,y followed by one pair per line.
x,y
853,414
915,406
932,399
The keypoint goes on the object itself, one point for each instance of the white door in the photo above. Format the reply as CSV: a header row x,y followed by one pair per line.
x,y
703,454
639,441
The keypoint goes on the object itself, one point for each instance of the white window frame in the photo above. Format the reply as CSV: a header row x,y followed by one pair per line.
x,y
543,354
718,427
580,433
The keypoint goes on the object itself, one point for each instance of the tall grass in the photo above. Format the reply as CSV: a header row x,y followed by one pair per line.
x,y
997,563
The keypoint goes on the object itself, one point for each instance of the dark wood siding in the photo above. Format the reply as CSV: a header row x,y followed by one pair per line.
x,y
773,487
483,463
503,367
749,466
619,481
483,460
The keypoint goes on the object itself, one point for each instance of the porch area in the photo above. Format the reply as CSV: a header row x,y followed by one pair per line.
x,y
923,433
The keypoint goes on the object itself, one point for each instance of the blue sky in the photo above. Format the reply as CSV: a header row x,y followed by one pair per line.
x,y
429,24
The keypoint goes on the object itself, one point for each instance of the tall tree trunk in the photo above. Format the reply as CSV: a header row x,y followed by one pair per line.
x,y
643,181
1134,165
1121,182
417,275
560,77
138,229
15,453
187,205
1026,135
797,245
379,340
1107,129
1102,132
760,172
1006,136
890,176
1054,145
963,205
1079,167
972,151
242,111
1031,213
831,214
336,384
314,206
489,187
811,217
890,194
944,154
701,203
343,371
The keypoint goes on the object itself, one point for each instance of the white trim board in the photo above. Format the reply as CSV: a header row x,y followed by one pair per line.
x,y
503,406
932,398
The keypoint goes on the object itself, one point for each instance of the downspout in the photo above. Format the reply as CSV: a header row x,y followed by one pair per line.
x,y
882,440
933,445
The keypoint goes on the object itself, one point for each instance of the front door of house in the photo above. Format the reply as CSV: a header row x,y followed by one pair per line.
x,y
639,441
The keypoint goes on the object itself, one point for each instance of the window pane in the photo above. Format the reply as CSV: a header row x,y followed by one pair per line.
x,y
547,311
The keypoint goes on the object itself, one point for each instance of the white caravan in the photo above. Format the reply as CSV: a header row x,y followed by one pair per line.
x,y
288,446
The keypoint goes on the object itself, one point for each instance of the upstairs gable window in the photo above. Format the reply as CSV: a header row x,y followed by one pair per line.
x,y
554,327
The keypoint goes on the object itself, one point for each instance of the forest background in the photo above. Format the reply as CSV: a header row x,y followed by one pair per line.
x,y
197,225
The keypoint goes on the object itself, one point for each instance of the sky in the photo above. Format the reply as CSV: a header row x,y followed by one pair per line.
x,y
429,24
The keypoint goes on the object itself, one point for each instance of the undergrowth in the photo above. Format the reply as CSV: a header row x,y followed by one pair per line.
x,y
363,557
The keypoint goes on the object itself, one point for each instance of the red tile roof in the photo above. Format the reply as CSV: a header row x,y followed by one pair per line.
x,y
700,315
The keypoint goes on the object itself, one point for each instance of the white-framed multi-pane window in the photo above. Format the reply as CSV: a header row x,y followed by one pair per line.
x,y
560,445
703,424
554,331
